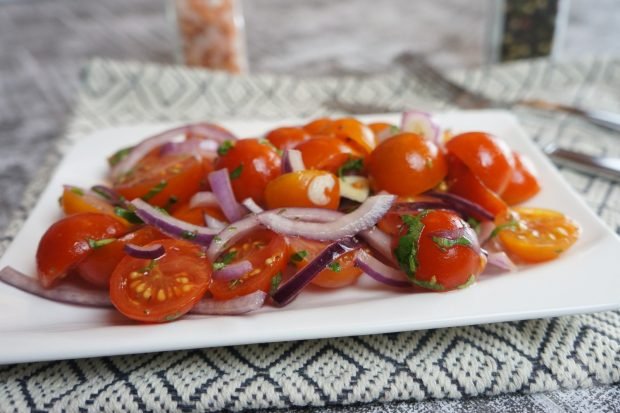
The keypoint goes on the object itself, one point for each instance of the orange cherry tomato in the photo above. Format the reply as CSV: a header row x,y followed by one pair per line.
x,y
354,133
488,157
326,153
287,137
340,274
406,165
163,289
163,181
441,266
523,183
536,234
461,181
251,163
71,239
318,126
308,188
76,200
266,251
97,267
196,216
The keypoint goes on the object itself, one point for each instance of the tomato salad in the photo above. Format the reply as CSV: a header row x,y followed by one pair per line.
x,y
196,220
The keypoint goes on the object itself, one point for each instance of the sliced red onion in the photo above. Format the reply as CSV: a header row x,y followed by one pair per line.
x,y
422,124
406,207
466,233
387,133
172,226
61,293
197,147
365,217
203,199
239,305
462,205
210,131
109,195
485,231
252,206
232,233
222,189
292,161
289,290
147,252
379,241
233,271
502,261
309,214
214,222
381,272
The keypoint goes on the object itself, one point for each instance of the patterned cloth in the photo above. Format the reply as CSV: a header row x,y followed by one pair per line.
x,y
528,356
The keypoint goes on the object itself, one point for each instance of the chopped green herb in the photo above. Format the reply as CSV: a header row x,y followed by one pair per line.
x,y
148,267
275,283
352,164
236,173
271,145
394,129
406,251
224,260
232,228
119,156
171,201
445,243
506,225
101,193
334,266
127,215
77,191
155,190
232,284
431,285
226,146
299,256
162,210
474,223
217,239
470,281
189,234
172,317
98,243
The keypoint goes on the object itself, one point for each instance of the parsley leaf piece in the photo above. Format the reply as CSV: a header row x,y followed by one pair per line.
x,y
155,190
148,267
224,260
335,266
470,281
474,223
275,282
127,215
353,164
431,285
118,156
506,225
77,191
445,243
299,256
236,173
98,243
189,234
406,251
226,146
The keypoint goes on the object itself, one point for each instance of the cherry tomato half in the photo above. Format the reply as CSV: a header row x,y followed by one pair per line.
x,y
76,200
308,188
354,133
71,239
287,137
523,183
163,289
326,153
536,234
406,164
266,251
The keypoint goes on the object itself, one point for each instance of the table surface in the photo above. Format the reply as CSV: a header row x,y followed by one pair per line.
x,y
44,42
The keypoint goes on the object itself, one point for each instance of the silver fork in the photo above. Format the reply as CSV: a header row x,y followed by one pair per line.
x,y
445,89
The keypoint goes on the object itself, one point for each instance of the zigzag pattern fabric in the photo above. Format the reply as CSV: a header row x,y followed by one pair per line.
x,y
528,356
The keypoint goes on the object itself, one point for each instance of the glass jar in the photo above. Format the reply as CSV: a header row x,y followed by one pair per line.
x,y
211,34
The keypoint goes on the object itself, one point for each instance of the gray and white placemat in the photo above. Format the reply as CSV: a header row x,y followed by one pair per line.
x,y
527,356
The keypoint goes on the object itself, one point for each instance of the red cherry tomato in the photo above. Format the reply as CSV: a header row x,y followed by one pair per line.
x,y
163,289
489,158
69,240
97,267
266,251
308,188
251,163
406,165
441,264
523,183
287,137
326,153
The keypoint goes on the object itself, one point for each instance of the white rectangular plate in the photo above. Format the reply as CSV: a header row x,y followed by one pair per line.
x,y
584,279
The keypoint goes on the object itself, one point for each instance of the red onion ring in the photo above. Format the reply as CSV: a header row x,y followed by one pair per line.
x,y
147,252
234,306
172,226
365,217
62,293
422,124
381,272
231,234
380,242
292,161
462,205
289,289
222,189
233,271
214,223
199,148
502,261
252,206
203,199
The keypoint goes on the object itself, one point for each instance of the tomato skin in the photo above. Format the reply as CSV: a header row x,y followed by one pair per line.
x,y
308,188
65,243
354,133
318,126
170,288
326,153
252,163
406,164
523,183
97,267
75,200
287,137
266,251
488,158
451,267
196,215
178,177
538,235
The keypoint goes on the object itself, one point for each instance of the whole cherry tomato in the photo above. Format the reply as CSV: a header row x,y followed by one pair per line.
x,y
354,133
162,289
318,126
71,239
251,163
326,153
406,164
287,137
308,188
523,183
488,157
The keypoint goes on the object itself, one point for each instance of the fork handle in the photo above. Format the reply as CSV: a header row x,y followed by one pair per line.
x,y
607,120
